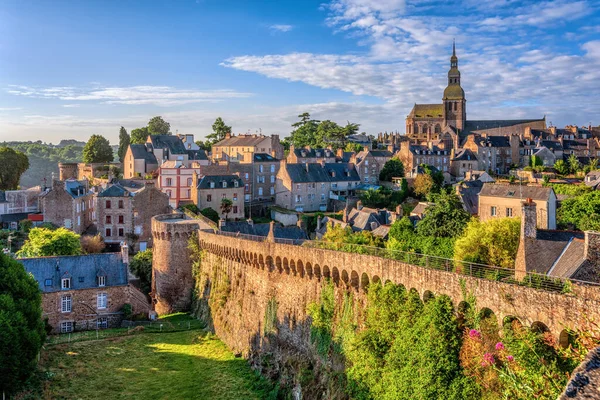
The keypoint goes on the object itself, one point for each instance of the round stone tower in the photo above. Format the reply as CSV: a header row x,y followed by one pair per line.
x,y
67,171
172,280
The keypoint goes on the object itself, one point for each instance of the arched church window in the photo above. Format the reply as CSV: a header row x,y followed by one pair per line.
x,y
455,106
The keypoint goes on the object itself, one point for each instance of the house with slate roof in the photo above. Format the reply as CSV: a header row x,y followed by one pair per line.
x,y
494,153
294,232
17,205
504,200
125,210
69,204
559,254
462,162
239,148
592,179
413,155
369,164
85,292
309,155
210,190
308,187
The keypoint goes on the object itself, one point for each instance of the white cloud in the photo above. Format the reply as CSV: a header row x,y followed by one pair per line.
x,y
132,95
281,28
71,105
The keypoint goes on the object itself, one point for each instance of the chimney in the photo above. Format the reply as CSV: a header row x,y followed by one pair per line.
x,y
271,235
318,222
340,152
125,253
591,248
374,225
302,223
359,205
307,168
529,219
250,222
345,214
221,223
399,211
228,135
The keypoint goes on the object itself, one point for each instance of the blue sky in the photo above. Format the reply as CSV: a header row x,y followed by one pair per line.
x,y
70,69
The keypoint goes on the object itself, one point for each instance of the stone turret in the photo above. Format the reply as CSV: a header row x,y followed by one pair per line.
x,y
172,280
67,171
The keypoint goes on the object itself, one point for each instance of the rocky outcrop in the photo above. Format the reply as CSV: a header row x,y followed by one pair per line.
x,y
585,381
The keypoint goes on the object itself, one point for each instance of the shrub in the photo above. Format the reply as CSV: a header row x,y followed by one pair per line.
x,y
92,244
210,214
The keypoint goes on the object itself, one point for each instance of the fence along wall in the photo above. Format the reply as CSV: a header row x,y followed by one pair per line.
x,y
539,309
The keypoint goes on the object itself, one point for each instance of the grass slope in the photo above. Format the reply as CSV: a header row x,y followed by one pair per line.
x,y
179,365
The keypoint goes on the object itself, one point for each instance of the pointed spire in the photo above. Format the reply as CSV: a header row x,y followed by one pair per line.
x,y
454,47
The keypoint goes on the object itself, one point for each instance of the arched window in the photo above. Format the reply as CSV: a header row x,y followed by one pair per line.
x,y
455,106
424,129
438,128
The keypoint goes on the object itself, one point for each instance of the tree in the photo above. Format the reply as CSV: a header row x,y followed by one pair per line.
x,y
43,242
92,244
581,212
210,214
423,185
139,135
573,164
226,206
494,242
22,330
124,140
219,131
561,167
14,164
353,147
393,168
446,218
536,163
97,150
158,126
141,266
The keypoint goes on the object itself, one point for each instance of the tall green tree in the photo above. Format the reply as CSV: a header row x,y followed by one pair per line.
x,y
22,331
141,266
574,165
319,134
97,150
14,164
219,131
446,218
158,126
43,242
226,206
139,135
124,140
393,168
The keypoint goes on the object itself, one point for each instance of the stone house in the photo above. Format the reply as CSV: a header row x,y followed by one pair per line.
x,y
369,164
462,162
241,147
308,187
413,155
211,189
69,204
125,211
592,179
495,153
560,254
310,155
503,200
139,161
85,292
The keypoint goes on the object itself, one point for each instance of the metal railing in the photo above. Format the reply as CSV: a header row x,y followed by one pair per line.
x,y
466,268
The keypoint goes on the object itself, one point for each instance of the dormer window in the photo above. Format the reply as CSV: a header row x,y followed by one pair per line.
x,y
224,184
212,185
65,283
101,281
235,184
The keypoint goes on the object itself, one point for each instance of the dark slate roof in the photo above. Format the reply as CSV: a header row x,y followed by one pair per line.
x,y
281,232
199,155
218,180
170,142
132,185
141,152
553,145
358,138
114,191
477,125
241,140
516,191
315,172
465,155
575,144
17,217
539,133
572,257
381,153
495,141
346,156
78,268
547,248
361,219
263,157
75,188
313,153
425,150
468,191
382,231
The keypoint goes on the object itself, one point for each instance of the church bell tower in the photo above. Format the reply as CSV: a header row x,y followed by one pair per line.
x,y
455,104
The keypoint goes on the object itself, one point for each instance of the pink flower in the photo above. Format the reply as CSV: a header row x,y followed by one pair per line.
x,y
510,358
499,346
488,358
474,333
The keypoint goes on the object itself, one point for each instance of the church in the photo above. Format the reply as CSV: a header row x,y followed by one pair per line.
x,y
447,122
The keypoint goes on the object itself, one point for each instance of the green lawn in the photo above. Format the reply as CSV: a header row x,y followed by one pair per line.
x,y
178,365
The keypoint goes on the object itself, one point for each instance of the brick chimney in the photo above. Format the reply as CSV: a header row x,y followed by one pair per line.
x,y
125,253
271,235
529,219
318,222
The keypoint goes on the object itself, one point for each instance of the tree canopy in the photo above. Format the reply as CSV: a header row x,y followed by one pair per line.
x,y
319,134
14,164
141,266
97,150
219,130
393,168
124,140
446,218
158,126
582,212
44,242
139,135
226,206
561,167
494,242
22,330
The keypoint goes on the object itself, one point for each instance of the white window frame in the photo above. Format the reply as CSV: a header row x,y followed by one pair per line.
x,y
101,281
272,178
65,283
272,190
272,168
66,327
101,301
102,323
260,191
66,303
493,211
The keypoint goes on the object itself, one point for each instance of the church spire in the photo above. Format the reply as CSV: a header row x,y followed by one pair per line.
x,y
453,47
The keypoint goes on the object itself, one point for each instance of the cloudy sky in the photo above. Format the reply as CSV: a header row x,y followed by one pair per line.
x,y
69,69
